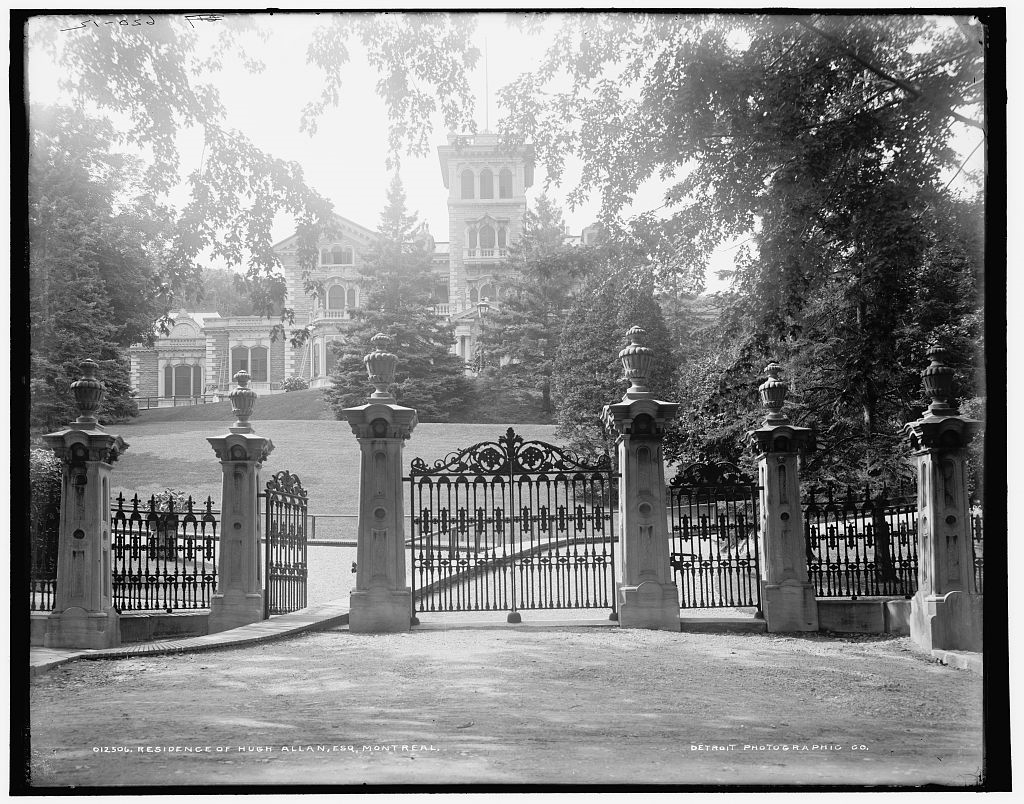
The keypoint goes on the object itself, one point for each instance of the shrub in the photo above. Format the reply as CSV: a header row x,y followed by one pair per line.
x,y
44,505
295,384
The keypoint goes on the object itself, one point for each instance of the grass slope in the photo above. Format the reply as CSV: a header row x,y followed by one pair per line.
x,y
297,405
487,407
324,454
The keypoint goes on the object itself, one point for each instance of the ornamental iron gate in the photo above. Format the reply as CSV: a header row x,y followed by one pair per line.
x,y
284,538
512,525
713,519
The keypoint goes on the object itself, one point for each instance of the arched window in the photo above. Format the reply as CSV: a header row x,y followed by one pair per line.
x,y
502,237
336,255
505,183
183,380
258,360
239,360
486,183
487,238
471,238
251,359
350,297
325,257
347,255
336,298
473,295
487,292
331,358
467,183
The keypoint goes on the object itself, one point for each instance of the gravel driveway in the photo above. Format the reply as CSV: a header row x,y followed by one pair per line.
x,y
504,705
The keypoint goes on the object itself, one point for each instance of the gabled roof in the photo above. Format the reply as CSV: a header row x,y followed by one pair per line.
x,y
348,227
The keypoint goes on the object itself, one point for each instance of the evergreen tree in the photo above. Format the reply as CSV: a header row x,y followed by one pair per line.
x,y
399,301
520,335
587,371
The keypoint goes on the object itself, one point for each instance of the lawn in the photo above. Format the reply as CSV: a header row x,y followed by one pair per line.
x,y
324,454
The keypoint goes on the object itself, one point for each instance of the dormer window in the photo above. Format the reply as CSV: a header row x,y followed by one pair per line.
x,y
486,184
468,180
505,183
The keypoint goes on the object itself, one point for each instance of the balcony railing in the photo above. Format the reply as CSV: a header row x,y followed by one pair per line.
x,y
484,253
320,314
442,309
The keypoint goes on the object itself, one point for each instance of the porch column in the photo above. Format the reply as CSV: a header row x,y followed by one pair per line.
x,y
647,595
238,599
83,612
787,597
381,601
946,611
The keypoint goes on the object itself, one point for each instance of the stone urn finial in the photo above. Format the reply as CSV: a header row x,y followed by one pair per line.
x,y
636,363
773,395
88,391
938,382
243,402
380,367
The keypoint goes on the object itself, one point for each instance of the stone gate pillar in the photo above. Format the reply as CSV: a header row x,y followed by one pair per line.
x,y
946,611
238,599
787,598
647,595
83,613
381,601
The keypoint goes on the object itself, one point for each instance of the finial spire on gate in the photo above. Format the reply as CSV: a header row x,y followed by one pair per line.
x,y
380,366
636,364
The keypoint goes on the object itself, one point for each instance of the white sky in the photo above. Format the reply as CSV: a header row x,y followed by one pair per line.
x,y
345,159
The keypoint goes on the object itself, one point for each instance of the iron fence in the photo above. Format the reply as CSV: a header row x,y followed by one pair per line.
x,y
861,543
163,558
714,546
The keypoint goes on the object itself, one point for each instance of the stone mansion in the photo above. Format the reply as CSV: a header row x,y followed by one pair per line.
x,y
486,202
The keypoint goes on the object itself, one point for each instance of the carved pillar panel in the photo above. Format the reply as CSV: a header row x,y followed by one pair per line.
x,y
648,597
381,601
83,614
946,611
787,598
238,599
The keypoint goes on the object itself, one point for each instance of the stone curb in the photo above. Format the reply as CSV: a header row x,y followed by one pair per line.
x,y
961,659
313,618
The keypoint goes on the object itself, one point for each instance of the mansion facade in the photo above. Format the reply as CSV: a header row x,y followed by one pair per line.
x,y
486,203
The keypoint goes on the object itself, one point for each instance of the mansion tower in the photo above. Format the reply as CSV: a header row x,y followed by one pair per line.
x,y
486,203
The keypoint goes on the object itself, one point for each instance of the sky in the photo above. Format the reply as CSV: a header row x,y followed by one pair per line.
x,y
345,159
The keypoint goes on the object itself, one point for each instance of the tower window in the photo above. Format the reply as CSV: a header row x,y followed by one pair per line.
x,y
486,183
505,183
351,297
336,297
486,237
502,237
467,183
